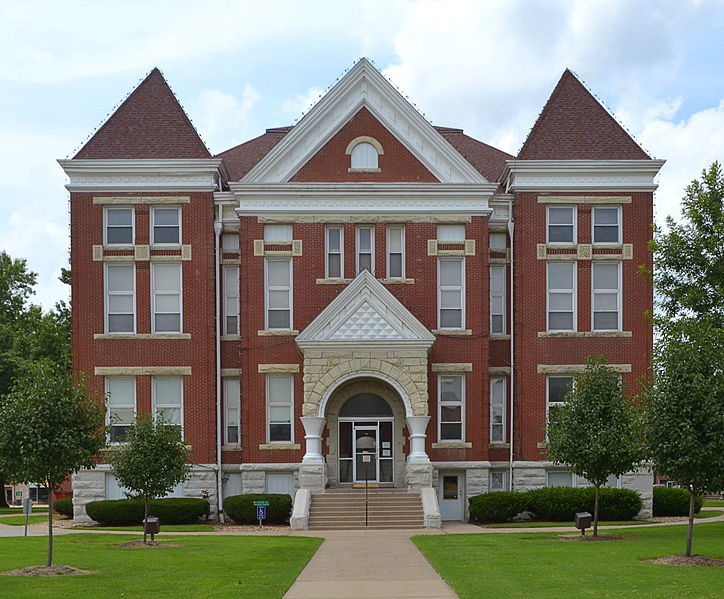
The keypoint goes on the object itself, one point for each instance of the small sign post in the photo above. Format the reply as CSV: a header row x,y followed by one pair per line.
x,y
27,510
261,511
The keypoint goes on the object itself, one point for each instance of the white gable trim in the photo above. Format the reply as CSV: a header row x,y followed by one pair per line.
x,y
336,327
363,86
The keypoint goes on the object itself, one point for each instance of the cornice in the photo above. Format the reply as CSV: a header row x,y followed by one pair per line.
x,y
363,198
581,175
197,174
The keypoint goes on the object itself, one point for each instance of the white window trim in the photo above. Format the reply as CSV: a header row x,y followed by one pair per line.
x,y
462,378
372,248
105,225
268,409
503,405
618,297
154,406
237,399
461,288
403,257
556,403
107,380
180,297
574,293
327,251
593,226
107,293
289,288
503,297
574,208
153,218
504,484
229,295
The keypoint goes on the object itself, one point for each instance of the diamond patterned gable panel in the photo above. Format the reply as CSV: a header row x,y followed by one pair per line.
x,y
366,323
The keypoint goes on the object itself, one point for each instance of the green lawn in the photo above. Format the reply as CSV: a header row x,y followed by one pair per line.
x,y
563,524
19,510
20,520
542,565
713,503
164,528
223,566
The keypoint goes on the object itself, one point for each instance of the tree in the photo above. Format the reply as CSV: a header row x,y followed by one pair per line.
x,y
596,431
152,460
51,426
684,414
689,259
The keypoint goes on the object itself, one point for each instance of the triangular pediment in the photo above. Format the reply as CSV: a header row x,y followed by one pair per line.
x,y
365,315
363,87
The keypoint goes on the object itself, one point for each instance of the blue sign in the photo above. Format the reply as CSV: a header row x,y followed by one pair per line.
x,y
261,512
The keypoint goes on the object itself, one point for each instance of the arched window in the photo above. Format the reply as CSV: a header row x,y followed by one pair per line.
x,y
364,155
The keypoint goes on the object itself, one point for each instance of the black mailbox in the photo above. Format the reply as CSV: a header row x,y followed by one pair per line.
x,y
583,521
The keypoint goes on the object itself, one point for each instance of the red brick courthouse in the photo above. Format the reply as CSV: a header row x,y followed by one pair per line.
x,y
361,282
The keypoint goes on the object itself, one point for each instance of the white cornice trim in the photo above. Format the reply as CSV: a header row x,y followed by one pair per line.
x,y
365,87
363,198
581,175
197,174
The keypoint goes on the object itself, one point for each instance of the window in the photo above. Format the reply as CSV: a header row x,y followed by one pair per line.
x,y
451,293
364,155
498,241
232,411
279,399
560,478
121,410
606,225
168,401
335,252
561,296
231,300
395,252
497,299
120,298
497,481
497,410
606,294
451,233
451,394
119,226
561,224
278,233
278,293
166,226
230,241
557,387
166,304
365,249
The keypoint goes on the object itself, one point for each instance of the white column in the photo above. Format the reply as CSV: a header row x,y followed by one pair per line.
x,y
417,425
313,427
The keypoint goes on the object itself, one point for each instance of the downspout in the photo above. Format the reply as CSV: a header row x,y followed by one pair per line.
x,y
511,228
219,475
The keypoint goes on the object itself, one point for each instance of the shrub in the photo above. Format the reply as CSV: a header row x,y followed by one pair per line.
x,y
499,506
560,504
64,506
241,508
170,510
674,502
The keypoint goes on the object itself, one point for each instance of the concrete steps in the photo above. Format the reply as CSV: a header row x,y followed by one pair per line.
x,y
344,509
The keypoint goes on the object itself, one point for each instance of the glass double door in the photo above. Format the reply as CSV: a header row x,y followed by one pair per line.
x,y
365,451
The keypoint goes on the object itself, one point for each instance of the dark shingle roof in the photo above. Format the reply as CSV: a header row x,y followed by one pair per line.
x,y
149,124
575,126
487,160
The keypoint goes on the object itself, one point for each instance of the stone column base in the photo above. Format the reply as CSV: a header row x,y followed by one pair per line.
x,y
313,477
418,475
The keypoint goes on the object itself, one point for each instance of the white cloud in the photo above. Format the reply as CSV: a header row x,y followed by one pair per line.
x,y
223,120
298,106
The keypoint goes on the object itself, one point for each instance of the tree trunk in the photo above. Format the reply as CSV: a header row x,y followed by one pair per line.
x,y
145,517
3,501
50,527
595,512
690,533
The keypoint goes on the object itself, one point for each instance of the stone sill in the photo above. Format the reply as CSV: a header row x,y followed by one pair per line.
x,y
278,333
452,445
499,446
452,332
284,446
499,337
542,445
142,336
231,448
398,281
578,334
333,281
364,170
230,338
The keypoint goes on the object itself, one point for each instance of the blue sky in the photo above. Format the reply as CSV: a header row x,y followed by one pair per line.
x,y
240,67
